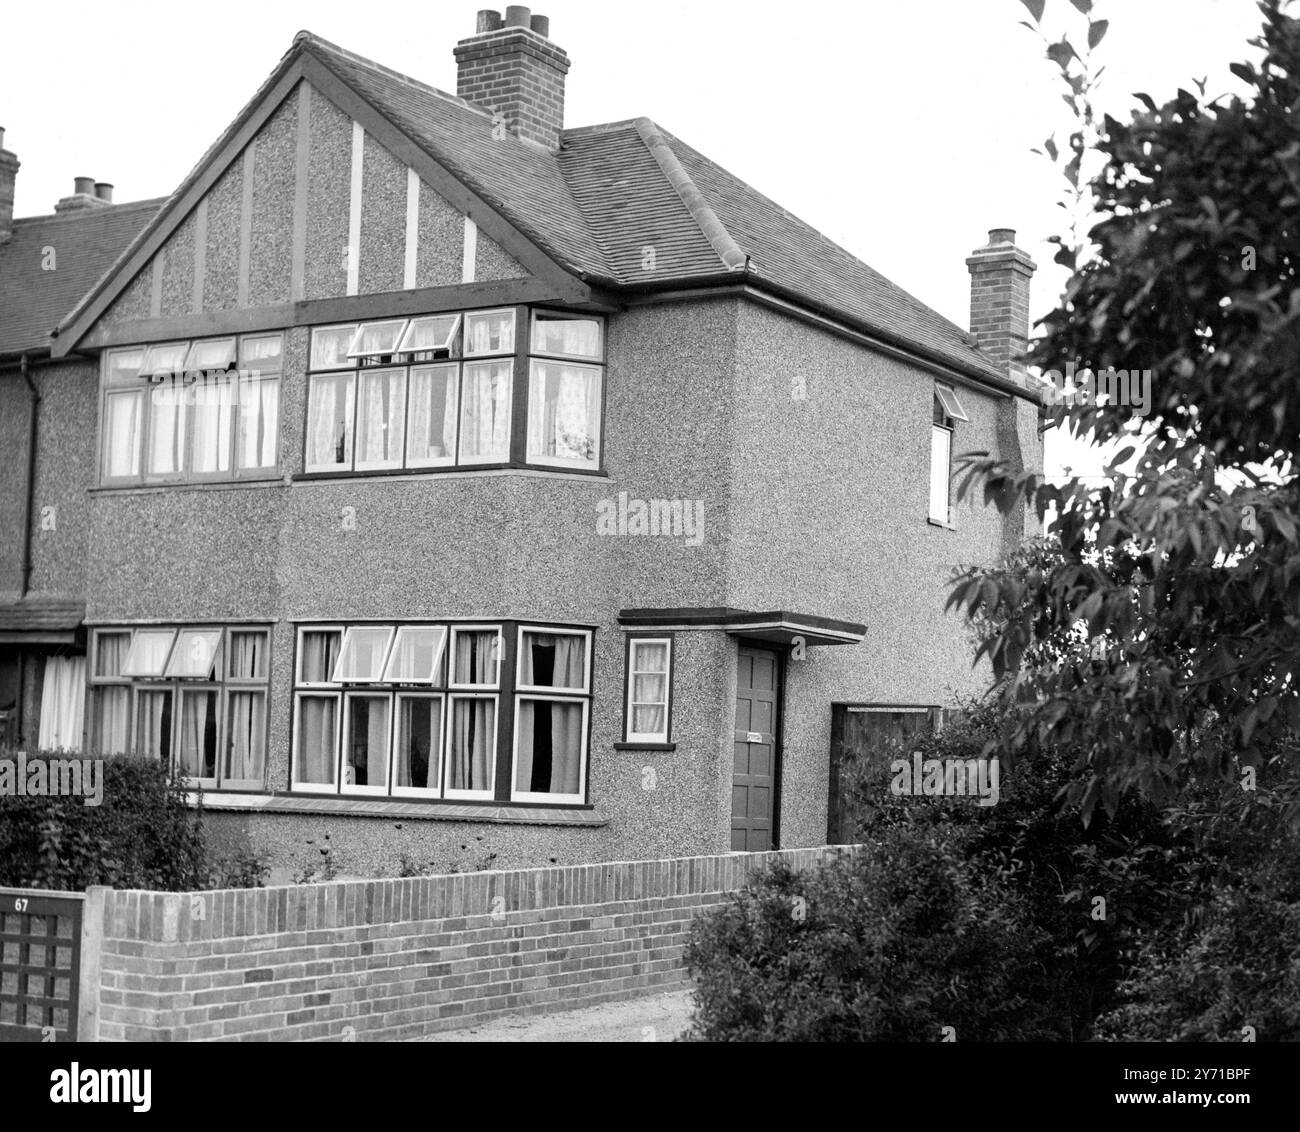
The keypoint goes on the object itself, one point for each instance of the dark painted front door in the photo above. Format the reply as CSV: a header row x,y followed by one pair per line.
x,y
754,772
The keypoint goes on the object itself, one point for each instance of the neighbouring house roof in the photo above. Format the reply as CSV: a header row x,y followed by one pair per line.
x,y
593,207
36,619
84,244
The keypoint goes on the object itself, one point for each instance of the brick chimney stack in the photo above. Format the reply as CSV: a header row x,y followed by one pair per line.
x,y
8,180
999,301
86,194
511,68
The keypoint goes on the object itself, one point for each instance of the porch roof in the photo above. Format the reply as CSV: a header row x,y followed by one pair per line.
x,y
780,626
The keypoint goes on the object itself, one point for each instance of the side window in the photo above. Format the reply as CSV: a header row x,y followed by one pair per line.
x,y
947,410
649,700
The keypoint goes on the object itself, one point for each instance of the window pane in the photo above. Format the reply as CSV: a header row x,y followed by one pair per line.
x,y
434,333
432,415
416,654
374,338
649,688
246,742
259,422
553,660
648,720
329,423
329,347
471,746
940,472
952,407
419,742
575,336
215,353
320,651
649,656
122,421
147,655
381,414
363,654
549,755
248,655
153,724
261,354
167,428
564,413
197,755
490,332
166,359
476,655
108,731
124,366
485,413
314,759
214,418
110,653
365,746
194,653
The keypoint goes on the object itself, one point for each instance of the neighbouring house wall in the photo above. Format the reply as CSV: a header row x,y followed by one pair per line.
x,y
394,959
830,446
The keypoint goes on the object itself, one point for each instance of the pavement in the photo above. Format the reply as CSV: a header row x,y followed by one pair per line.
x,y
650,1018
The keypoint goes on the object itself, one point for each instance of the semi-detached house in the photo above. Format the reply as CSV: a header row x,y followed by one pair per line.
x,y
428,475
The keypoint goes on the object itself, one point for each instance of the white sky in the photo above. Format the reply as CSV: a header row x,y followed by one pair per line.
x,y
900,128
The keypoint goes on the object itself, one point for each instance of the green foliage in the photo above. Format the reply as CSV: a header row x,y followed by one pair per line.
x,y
1181,576
142,835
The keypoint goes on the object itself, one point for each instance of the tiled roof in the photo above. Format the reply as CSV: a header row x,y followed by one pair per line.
x,y
85,244
37,613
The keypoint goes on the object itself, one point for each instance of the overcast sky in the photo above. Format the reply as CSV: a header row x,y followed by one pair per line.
x,y
900,128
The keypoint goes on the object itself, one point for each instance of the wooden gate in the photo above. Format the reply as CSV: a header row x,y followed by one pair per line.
x,y
40,964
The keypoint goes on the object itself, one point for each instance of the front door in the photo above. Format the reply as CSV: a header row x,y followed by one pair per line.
x,y
754,769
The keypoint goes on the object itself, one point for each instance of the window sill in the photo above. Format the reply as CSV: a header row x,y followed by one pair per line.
x,y
937,523
645,746
188,485
457,472
399,808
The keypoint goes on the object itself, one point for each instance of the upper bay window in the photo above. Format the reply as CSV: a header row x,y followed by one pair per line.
x,y
193,410
442,391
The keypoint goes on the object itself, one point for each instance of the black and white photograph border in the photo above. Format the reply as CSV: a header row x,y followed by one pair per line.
x,y
685,523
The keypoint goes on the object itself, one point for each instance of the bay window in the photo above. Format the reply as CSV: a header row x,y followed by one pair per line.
x,y
194,698
440,391
193,410
415,711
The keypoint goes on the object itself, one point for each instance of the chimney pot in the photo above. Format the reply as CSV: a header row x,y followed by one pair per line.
x,y
2,137
517,16
541,25
83,186
488,20
8,179
1002,235
104,191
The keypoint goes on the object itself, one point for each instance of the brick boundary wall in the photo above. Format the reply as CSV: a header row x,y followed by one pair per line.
x,y
390,959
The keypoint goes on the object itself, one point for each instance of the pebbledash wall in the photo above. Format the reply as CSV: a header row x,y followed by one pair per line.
x,y
395,959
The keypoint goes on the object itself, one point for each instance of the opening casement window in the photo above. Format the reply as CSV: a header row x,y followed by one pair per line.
x,y
191,411
414,711
193,697
440,391
947,410
649,675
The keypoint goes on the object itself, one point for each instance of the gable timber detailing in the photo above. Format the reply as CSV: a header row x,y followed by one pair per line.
x,y
235,153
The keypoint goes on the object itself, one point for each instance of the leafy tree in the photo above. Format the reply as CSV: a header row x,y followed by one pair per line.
x,y
1159,631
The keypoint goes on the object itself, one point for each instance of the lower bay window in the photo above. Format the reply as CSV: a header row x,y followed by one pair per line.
x,y
463,712
192,697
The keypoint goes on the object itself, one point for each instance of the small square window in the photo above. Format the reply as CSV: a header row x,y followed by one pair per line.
x,y
568,337
329,347
476,654
148,653
552,660
262,353
213,354
124,366
361,660
376,338
490,332
434,333
247,660
948,401
165,360
195,653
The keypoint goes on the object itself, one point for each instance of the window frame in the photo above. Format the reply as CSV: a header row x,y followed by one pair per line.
x,y
629,673
941,425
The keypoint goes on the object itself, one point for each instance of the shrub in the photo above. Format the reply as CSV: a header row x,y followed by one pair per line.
x,y
142,835
894,945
